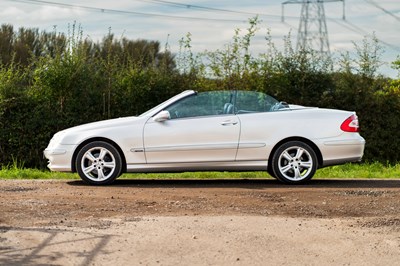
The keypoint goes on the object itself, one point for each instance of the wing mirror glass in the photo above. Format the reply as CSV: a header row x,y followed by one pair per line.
x,y
161,116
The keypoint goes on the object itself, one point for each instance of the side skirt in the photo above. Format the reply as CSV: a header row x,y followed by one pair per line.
x,y
203,166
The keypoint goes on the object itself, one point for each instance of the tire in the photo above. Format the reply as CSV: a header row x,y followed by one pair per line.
x,y
271,172
98,163
294,162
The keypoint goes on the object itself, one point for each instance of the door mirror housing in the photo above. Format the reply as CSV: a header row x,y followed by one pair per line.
x,y
162,116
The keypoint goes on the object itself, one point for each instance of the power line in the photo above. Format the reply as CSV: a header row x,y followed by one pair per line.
x,y
383,9
124,12
319,37
381,41
354,28
190,6
212,9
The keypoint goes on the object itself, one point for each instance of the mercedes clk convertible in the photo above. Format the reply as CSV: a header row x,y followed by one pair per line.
x,y
211,131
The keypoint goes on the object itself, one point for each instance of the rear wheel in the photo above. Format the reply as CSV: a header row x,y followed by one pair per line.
x,y
294,162
99,163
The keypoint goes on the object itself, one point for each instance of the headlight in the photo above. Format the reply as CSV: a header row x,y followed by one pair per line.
x,y
56,139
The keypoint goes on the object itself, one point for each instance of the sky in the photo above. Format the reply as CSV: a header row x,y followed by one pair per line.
x,y
211,23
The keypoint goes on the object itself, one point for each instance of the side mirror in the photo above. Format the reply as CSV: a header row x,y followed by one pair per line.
x,y
283,105
161,116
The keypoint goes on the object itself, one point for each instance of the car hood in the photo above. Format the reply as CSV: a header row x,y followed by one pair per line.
x,y
104,128
116,122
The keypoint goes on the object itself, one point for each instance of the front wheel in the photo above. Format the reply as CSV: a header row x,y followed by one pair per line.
x,y
98,163
294,162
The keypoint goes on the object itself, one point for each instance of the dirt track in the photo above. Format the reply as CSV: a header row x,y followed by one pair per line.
x,y
200,222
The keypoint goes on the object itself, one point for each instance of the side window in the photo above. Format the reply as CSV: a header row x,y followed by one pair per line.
x,y
253,102
202,104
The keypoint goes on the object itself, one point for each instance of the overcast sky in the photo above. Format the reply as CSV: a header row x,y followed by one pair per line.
x,y
211,27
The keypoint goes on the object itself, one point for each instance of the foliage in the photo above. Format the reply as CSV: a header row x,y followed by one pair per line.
x,y
65,81
51,81
373,170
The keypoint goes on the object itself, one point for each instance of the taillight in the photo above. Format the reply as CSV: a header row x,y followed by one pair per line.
x,y
350,124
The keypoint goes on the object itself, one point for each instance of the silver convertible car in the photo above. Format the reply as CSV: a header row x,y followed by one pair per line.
x,y
211,131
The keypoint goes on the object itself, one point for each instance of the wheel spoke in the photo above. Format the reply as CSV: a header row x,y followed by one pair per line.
x,y
109,164
90,157
287,156
297,173
89,169
100,174
299,153
286,168
103,153
306,164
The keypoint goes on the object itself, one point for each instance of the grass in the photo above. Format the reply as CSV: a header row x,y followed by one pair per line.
x,y
366,170
28,173
347,171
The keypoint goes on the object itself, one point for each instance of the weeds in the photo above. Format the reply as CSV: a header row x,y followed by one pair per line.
x,y
348,171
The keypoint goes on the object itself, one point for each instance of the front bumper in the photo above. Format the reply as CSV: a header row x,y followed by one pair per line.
x,y
59,157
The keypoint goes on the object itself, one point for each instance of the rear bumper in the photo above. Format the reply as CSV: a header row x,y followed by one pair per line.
x,y
348,148
340,161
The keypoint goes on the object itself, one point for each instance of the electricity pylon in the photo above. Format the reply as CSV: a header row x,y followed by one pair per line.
x,y
312,33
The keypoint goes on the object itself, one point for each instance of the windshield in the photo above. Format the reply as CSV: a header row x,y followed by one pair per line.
x,y
167,102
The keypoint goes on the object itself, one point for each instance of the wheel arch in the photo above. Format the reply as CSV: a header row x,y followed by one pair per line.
x,y
80,146
306,141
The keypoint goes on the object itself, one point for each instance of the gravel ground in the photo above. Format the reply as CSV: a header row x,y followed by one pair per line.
x,y
200,222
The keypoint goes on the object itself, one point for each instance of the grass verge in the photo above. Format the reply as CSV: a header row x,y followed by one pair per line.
x,y
349,171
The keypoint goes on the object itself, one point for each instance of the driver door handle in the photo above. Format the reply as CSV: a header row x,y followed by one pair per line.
x,y
229,123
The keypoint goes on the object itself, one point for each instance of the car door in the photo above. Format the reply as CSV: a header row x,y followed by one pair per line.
x,y
200,128
258,114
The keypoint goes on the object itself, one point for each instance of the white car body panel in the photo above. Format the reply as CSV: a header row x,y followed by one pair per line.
x,y
204,139
221,142
271,128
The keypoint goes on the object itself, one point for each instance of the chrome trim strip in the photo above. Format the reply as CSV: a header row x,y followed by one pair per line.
x,y
136,150
251,145
193,147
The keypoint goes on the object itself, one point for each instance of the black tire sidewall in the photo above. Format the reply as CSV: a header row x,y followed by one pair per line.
x,y
110,148
277,154
271,172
